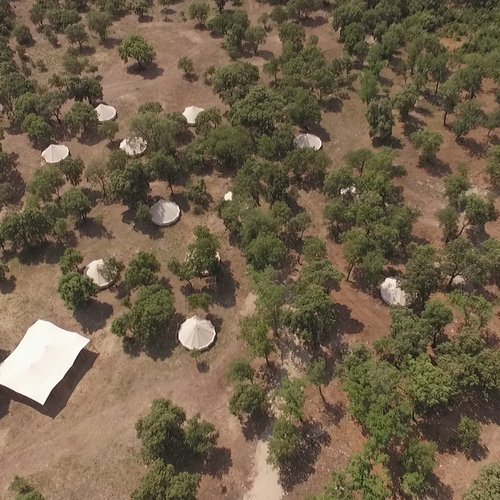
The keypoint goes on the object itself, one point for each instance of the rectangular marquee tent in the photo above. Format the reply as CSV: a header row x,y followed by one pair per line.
x,y
41,360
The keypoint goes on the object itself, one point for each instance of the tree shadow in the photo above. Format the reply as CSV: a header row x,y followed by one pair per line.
x,y
436,167
8,285
94,316
86,50
345,323
334,412
255,427
90,137
93,227
111,43
314,21
46,253
474,148
265,54
392,142
302,466
60,395
333,105
144,227
149,72
146,18
411,124
224,291
218,463
441,490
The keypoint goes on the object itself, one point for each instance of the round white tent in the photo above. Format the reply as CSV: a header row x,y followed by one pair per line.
x,y
55,153
94,272
165,213
228,196
105,113
190,113
196,333
308,141
392,294
134,146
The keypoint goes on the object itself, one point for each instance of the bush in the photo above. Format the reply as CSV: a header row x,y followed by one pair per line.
x,y
76,290
22,35
469,433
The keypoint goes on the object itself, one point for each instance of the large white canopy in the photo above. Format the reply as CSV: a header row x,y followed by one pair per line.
x,y
165,213
196,333
55,153
392,294
307,141
191,112
94,272
41,360
228,196
134,146
105,113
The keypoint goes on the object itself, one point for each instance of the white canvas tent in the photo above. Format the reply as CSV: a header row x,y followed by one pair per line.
x,y
392,294
165,213
55,153
41,360
94,272
228,196
190,113
134,146
196,333
105,112
308,141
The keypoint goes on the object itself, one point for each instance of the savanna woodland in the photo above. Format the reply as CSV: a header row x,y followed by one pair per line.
x,y
341,145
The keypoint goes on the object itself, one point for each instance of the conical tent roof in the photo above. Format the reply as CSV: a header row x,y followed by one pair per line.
x,y
307,141
191,112
55,153
196,333
94,272
228,196
392,294
105,113
134,146
165,213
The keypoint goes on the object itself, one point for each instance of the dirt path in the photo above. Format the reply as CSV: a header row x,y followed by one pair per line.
x,y
266,478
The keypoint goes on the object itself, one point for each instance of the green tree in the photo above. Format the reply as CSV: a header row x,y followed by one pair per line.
x,y
476,309
161,481
112,269
97,174
76,290
438,315
130,184
142,271
70,260
75,202
199,11
428,386
255,36
266,250
200,436
448,222
316,374
486,485
72,169
419,460
421,276
304,110
468,116
254,332
369,86
380,118
248,400
450,97
149,317
493,168
38,130
203,253
136,47
76,34
478,212
284,444
292,399
99,23
108,130
456,186
24,490
200,301
229,147
492,121
187,66
240,370
45,183
469,434
233,81
81,118
461,258
405,101
427,142
139,7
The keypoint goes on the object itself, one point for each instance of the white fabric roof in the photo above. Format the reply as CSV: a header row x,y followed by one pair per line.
x,y
196,333
94,272
392,293
41,360
165,213
55,153
191,112
307,141
105,113
348,190
134,146
228,196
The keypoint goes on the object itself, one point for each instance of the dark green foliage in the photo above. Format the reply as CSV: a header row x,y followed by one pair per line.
x,y
254,331
284,444
70,260
233,81
76,290
72,169
136,47
292,399
380,119
46,183
427,142
493,168
229,147
142,270
486,485
76,203
81,118
99,22
469,434
24,490
419,461
469,116
266,250
248,400
112,269
240,370
130,184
